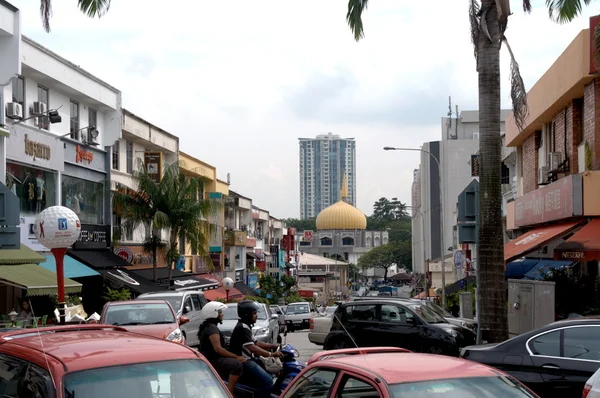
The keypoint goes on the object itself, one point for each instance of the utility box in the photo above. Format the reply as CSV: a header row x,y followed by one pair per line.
x,y
530,305
465,300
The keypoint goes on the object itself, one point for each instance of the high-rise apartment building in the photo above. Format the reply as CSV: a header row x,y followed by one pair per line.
x,y
323,162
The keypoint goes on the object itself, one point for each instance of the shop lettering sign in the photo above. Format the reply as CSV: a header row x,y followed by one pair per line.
x,y
125,253
186,282
82,155
36,150
573,255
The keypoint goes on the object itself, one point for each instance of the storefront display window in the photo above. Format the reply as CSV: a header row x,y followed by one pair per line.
x,y
35,188
85,198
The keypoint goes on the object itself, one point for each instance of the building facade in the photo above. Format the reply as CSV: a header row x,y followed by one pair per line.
x,y
324,161
555,212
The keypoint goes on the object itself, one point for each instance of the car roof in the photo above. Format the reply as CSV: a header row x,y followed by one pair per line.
x,y
136,302
412,367
170,293
92,346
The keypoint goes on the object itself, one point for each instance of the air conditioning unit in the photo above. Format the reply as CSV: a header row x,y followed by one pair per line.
x,y
476,136
554,159
14,110
93,135
41,122
543,175
38,109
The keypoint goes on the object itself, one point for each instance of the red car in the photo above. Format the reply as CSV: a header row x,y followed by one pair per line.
x,y
99,361
154,318
395,372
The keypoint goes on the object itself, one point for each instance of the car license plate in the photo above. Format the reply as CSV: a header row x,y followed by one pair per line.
x,y
297,322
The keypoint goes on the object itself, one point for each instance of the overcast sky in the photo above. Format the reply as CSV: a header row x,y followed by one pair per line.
x,y
240,81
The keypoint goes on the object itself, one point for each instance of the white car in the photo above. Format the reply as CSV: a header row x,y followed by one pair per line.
x,y
592,387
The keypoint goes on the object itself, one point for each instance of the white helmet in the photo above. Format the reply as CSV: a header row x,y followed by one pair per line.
x,y
211,310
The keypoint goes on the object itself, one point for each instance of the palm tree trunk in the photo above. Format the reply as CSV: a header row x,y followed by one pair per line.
x,y
491,244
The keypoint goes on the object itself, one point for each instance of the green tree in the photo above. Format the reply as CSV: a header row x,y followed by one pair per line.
x,y
385,256
92,8
308,224
488,23
389,210
270,286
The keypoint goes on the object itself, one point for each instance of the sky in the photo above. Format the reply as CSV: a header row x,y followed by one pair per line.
x,y
240,81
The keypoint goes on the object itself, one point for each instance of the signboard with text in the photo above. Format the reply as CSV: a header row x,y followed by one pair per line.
x,y
474,165
559,200
93,237
153,164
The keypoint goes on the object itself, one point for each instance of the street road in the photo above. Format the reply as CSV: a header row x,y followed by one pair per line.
x,y
300,341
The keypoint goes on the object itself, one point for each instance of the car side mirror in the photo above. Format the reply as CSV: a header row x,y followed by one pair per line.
x,y
187,309
412,321
183,320
274,316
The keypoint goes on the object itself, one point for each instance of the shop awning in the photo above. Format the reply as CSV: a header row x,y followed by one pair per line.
x,y
179,280
23,255
98,259
584,245
251,256
518,268
73,268
123,278
219,293
36,280
245,289
544,267
535,238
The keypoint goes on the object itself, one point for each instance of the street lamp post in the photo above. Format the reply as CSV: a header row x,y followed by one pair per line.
x,y
442,247
227,285
425,289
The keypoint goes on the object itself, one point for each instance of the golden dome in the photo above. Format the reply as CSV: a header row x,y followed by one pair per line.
x,y
341,215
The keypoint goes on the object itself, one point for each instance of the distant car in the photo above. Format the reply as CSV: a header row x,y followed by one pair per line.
x,y
266,328
276,309
100,361
154,318
393,372
554,361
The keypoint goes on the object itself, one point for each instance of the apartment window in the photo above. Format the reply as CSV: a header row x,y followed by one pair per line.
x,y
115,156
92,117
505,177
43,97
18,91
74,120
129,148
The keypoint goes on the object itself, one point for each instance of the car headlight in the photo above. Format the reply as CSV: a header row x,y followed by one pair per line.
x,y
175,336
451,332
261,331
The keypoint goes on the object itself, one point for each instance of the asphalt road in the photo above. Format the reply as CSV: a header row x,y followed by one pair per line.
x,y
300,341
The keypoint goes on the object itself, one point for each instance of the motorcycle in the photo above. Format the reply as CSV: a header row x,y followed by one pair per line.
x,y
291,368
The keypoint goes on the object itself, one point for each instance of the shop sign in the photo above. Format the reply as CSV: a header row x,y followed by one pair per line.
x,y
308,236
153,164
216,259
28,237
125,253
572,255
252,281
474,165
81,155
34,148
84,156
93,237
559,200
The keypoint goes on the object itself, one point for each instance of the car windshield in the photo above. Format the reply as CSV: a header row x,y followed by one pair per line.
x,y
190,378
230,314
175,301
297,309
472,387
330,310
438,310
427,314
138,314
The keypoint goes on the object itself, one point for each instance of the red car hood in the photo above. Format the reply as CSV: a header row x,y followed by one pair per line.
x,y
161,331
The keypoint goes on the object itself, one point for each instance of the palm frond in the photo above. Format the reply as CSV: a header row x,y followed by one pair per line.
x,y
354,17
474,18
564,11
518,93
527,6
46,12
94,8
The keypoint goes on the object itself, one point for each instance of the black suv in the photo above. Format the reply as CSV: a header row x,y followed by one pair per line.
x,y
385,322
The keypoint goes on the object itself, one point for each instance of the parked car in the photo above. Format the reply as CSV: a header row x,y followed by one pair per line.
x,y
99,361
554,361
265,329
185,303
154,318
319,329
394,372
389,322
276,309
298,315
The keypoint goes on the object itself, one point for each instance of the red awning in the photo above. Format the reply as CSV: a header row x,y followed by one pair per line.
x,y
536,238
583,245
219,293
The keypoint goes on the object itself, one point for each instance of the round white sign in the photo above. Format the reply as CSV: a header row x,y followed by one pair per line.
x,y
57,227
227,283
458,259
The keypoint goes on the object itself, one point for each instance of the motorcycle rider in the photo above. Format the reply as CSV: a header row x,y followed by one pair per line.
x,y
212,341
244,344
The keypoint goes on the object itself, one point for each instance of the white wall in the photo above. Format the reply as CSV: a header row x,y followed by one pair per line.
x,y
10,43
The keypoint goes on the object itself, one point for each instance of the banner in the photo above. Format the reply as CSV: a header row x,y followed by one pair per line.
x,y
153,165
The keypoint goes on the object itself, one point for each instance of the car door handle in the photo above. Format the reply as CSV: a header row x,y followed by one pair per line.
x,y
551,366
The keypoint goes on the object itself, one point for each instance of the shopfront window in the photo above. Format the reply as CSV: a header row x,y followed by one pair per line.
x,y
84,198
35,188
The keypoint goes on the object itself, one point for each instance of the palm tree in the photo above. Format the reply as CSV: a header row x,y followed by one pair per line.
x,y
488,24
174,205
564,11
93,8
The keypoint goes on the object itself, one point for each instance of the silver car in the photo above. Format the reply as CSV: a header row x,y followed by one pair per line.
x,y
266,328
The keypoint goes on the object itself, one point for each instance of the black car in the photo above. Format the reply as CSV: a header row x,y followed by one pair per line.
x,y
554,361
388,322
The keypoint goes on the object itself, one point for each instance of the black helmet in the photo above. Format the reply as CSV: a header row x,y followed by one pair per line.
x,y
245,310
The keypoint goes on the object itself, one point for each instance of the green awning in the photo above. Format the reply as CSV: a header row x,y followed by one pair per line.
x,y
4,132
24,255
36,280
